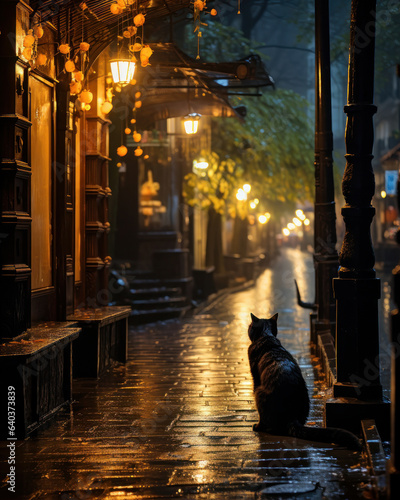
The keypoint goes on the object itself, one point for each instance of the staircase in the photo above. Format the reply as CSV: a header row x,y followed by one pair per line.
x,y
162,293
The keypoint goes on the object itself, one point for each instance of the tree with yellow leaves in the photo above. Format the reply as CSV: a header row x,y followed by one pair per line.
x,y
213,189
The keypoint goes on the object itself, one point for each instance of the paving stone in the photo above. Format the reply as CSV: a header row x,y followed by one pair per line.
x,y
176,420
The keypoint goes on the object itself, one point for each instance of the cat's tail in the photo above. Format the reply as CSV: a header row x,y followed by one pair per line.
x,y
325,435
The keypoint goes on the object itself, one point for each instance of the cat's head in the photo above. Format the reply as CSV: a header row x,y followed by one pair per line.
x,y
260,327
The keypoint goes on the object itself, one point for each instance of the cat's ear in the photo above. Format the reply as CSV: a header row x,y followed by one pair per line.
x,y
254,318
275,318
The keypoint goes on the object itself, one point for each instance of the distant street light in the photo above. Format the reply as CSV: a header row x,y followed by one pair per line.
x,y
241,195
262,219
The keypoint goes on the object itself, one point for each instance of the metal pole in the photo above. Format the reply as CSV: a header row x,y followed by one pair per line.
x,y
357,290
325,254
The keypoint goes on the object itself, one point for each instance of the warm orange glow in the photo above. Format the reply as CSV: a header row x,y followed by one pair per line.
x,y
122,70
191,123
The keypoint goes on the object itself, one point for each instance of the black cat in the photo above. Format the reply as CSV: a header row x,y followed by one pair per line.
x,y
280,390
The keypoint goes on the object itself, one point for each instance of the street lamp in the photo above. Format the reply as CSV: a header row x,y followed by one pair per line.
x,y
122,70
241,195
297,221
262,219
191,123
300,214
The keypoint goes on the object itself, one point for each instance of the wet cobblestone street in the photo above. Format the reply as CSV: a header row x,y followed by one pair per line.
x,y
176,420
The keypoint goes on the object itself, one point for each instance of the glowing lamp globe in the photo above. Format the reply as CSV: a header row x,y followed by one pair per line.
x,y
122,150
191,123
122,70
106,107
86,96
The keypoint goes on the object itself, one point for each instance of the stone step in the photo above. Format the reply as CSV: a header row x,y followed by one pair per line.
x,y
150,293
185,284
140,316
158,303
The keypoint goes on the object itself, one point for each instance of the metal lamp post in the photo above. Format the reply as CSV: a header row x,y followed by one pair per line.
x,y
358,391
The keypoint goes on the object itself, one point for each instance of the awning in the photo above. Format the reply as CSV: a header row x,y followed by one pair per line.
x,y
175,84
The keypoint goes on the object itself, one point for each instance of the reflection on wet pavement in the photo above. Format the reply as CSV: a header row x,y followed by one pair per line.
x,y
176,420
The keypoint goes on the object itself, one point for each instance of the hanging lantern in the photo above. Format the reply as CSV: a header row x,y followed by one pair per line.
x,y
137,137
146,52
199,5
138,104
127,131
136,47
138,95
27,53
29,40
84,46
78,75
41,60
130,31
38,30
122,150
86,97
138,151
139,20
115,8
122,70
106,107
75,88
64,48
213,12
191,123
69,66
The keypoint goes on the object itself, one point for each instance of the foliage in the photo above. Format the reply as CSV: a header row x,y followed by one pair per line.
x,y
215,186
274,144
387,52
219,39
